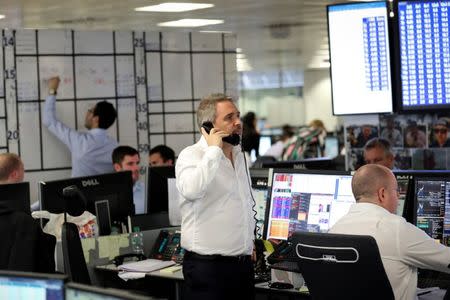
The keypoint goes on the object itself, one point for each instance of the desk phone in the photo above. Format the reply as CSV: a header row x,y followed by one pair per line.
x,y
167,246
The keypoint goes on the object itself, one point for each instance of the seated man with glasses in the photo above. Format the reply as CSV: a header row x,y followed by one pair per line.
x,y
91,151
440,134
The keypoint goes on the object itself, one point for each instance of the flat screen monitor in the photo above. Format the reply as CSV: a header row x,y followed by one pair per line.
x,y
432,207
117,188
16,196
162,193
331,146
306,201
265,142
321,163
403,182
36,286
424,54
260,181
76,291
359,56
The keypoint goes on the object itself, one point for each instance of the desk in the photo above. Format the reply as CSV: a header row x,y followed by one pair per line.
x,y
262,290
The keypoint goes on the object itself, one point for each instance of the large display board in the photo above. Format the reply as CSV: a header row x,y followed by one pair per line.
x,y
155,80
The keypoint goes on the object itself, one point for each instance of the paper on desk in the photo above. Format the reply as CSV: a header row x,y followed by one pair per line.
x,y
131,275
146,266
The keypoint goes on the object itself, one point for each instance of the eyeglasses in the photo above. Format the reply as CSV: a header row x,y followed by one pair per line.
x,y
440,130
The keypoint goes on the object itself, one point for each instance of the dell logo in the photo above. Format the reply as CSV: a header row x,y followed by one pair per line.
x,y
89,182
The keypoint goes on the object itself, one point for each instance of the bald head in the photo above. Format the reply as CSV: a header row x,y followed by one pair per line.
x,y
376,184
11,168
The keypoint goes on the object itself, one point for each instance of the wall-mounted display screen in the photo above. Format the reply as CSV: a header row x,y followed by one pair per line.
x,y
424,54
360,60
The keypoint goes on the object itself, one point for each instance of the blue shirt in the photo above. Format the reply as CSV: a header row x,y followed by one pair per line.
x,y
91,151
139,197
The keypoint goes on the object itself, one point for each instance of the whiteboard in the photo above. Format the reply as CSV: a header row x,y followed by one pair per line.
x,y
154,80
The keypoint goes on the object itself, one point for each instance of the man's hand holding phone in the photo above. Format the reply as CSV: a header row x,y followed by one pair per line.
x,y
213,136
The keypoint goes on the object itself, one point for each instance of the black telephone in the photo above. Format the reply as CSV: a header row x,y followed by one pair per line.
x,y
120,259
233,139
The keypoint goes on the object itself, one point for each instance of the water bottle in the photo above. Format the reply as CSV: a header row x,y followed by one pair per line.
x,y
137,241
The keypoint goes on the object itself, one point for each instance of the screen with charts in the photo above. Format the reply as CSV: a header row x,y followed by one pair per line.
x,y
359,56
307,201
20,285
432,201
424,54
402,183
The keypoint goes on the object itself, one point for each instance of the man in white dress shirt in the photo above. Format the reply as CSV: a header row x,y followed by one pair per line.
x,y
216,208
91,151
403,247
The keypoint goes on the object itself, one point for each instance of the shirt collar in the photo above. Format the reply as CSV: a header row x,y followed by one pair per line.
x,y
97,131
365,206
236,149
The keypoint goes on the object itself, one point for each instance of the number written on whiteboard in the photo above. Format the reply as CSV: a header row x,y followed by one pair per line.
x,y
145,148
8,41
139,42
10,74
142,107
13,134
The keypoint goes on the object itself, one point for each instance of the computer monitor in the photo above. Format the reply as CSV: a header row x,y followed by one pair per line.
x,y
306,201
260,181
16,196
265,142
331,146
403,182
162,193
424,55
117,188
432,207
321,163
76,291
27,285
360,58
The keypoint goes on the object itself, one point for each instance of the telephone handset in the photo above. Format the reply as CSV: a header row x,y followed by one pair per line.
x,y
120,259
233,139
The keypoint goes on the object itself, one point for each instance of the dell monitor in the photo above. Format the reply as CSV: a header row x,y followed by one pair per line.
x,y
16,196
27,285
306,201
116,188
360,58
320,163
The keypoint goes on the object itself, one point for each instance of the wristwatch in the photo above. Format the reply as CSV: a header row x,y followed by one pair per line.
x,y
52,91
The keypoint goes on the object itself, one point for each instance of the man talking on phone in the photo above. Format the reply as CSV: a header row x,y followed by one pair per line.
x,y
216,206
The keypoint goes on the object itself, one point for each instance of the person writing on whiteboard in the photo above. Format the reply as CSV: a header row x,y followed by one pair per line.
x,y
126,158
216,207
91,151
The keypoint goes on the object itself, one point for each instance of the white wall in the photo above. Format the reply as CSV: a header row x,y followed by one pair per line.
x,y
317,96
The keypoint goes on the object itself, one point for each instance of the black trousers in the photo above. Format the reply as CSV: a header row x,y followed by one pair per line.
x,y
217,279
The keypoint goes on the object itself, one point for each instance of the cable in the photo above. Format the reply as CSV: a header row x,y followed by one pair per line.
x,y
257,227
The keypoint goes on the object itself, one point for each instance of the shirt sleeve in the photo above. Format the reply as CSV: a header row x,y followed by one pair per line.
x,y
195,169
65,134
419,250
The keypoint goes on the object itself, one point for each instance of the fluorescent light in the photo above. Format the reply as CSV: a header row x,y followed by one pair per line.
x,y
2,16
190,23
174,7
241,56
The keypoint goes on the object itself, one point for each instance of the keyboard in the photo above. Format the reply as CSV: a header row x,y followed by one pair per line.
x,y
286,266
429,278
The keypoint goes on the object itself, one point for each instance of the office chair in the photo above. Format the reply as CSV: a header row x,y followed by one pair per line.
x,y
338,266
74,262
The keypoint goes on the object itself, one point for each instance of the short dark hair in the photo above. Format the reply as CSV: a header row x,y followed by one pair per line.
x,y
378,143
9,162
120,152
106,114
165,152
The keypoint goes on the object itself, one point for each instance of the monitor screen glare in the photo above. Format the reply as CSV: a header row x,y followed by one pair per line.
x,y
307,202
359,56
